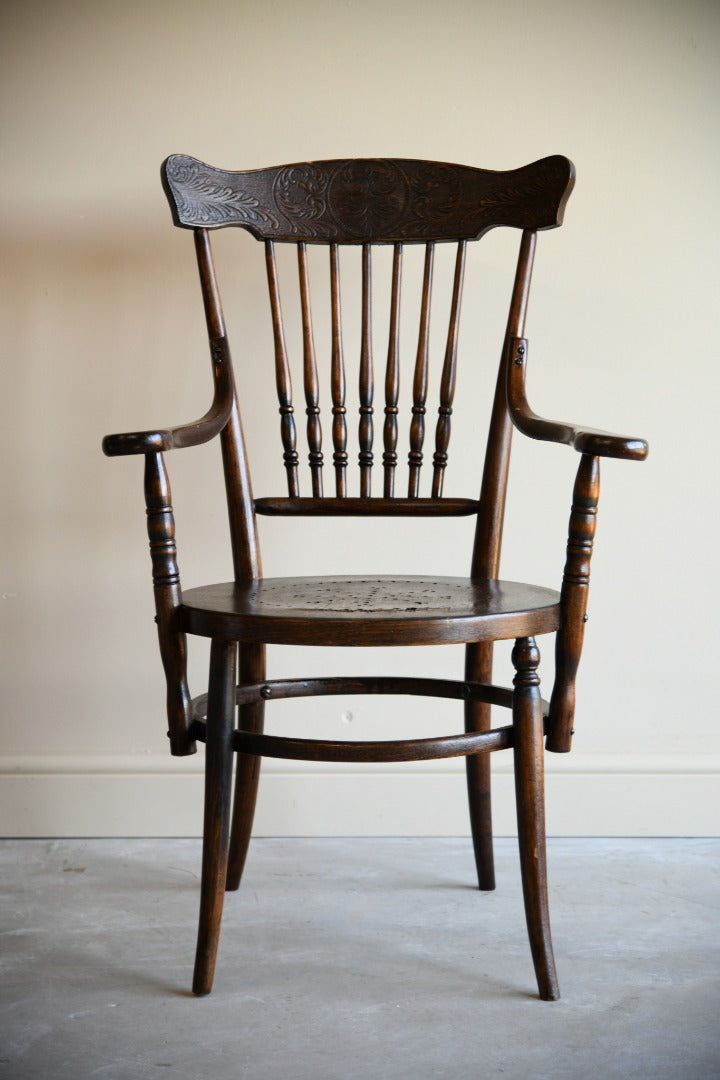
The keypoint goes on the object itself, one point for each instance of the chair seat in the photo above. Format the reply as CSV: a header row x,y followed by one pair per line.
x,y
380,611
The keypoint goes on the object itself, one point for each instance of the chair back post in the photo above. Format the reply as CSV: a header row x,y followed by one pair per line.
x,y
486,557
241,509
491,512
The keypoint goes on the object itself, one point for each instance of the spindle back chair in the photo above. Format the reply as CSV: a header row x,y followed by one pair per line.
x,y
368,202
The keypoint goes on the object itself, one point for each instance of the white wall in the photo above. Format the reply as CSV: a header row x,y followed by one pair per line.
x,y
101,315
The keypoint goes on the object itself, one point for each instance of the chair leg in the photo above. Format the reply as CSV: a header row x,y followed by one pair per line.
x,y
530,800
218,784
247,769
478,668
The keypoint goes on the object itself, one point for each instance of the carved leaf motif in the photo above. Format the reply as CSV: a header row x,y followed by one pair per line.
x,y
369,200
436,190
205,201
301,192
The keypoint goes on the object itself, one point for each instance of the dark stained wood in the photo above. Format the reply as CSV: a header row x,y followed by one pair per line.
x,y
368,200
486,564
193,434
352,507
392,380
282,376
491,515
251,667
218,785
238,489
365,430
252,693
585,440
574,598
310,379
420,379
216,418
337,379
449,374
530,801
168,598
370,611
478,668
388,750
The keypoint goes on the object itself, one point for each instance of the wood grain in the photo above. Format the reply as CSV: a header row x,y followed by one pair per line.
x,y
365,611
369,200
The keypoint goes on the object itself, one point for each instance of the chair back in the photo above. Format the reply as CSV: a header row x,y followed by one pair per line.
x,y
366,203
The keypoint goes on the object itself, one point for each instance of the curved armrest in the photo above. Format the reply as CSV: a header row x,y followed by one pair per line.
x,y
585,440
192,434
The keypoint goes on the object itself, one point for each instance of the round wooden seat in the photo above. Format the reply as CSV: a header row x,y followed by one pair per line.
x,y
388,610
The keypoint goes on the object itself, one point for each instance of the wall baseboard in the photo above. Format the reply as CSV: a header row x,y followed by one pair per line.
x,y
587,795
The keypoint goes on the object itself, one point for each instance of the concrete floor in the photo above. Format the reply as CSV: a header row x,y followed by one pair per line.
x,y
358,960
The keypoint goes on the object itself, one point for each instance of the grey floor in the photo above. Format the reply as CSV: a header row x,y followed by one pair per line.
x,y
358,959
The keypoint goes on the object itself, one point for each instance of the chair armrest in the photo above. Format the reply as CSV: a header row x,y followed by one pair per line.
x,y
585,440
175,438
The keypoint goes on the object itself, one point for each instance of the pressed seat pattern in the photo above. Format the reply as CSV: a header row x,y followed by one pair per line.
x,y
370,611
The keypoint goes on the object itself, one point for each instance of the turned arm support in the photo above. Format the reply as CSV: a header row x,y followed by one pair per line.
x,y
573,603
192,434
584,440
168,598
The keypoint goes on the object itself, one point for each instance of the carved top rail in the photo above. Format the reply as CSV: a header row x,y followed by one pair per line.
x,y
368,200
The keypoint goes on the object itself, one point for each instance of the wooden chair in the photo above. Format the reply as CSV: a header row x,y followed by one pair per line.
x,y
366,203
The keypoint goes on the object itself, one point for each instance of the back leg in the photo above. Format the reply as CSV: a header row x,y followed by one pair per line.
x,y
218,785
530,800
247,770
478,668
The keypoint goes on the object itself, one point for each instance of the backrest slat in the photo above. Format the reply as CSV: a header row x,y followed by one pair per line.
x,y
417,425
392,380
282,376
365,430
337,379
310,378
449,372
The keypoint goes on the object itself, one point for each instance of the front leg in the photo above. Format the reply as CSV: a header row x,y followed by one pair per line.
x,y
216,827
530,801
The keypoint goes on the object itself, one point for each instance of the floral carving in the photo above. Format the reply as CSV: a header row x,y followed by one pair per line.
x,y
370,199
436,190
203,199
300,193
